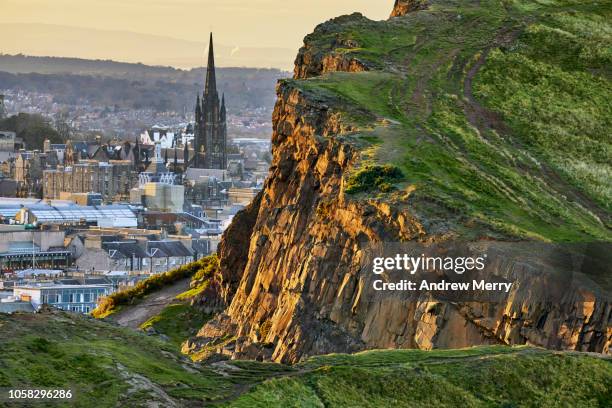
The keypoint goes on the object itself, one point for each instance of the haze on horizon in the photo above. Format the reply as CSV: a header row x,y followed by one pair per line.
x,y
256,33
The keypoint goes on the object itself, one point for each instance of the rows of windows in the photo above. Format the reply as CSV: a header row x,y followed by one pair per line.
x,y
76,308
72,297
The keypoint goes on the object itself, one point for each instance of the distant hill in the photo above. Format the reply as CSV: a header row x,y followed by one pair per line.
x,y
21,64
110,83
49,39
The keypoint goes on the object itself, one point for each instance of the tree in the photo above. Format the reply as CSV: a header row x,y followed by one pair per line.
x,y
32,128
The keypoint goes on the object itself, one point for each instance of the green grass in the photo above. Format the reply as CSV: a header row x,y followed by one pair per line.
x,y
66,351
178,322
100,363
533,163
553,94
477,377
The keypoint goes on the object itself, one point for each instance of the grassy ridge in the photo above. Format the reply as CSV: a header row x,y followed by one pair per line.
x,y
112,366
478,377
497,113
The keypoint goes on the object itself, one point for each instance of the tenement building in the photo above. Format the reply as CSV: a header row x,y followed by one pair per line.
x,y
210,130
113,180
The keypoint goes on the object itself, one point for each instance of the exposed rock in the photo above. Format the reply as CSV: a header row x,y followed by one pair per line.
x,y
293,280
233,253
316,59
403,7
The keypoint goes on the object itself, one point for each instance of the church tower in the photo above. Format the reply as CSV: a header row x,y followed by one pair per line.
x,y
210,131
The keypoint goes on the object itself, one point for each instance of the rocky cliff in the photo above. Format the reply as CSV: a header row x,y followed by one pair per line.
x,y
403,7
294,279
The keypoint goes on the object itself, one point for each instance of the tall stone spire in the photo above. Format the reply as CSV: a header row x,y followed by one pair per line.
x,y
211,81
186,155
210,130
223,113
136,154
198,109
175,159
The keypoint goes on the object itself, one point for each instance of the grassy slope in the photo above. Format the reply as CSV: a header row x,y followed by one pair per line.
x,y
497,112
479,377
64,351
102,363
177,321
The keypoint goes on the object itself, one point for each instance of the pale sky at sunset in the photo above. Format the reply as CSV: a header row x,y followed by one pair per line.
x,y
277,25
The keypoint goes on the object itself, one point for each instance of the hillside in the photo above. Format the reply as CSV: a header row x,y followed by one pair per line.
x,y
109,366
480,125
73,81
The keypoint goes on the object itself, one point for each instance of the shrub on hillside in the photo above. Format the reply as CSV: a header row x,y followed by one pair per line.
x,y
372,178
200,270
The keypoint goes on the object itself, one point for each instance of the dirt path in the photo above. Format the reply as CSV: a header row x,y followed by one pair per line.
x,y
135,315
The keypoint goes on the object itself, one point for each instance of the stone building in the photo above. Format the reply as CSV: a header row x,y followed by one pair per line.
x,y
158,188
113,179
27,168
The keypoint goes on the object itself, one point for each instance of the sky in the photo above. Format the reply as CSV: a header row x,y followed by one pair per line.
x,y
271,24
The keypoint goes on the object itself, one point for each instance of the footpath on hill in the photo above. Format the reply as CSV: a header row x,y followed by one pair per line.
x,y
135,315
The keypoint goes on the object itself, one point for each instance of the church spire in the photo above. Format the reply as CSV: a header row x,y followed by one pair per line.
x,y
198,109
185,155
223,112
211,80
137,154
175,158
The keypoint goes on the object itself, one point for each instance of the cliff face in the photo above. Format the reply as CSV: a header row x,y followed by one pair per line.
x,y
292,280
305,236
316,58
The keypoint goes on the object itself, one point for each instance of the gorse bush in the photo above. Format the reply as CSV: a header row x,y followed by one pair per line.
x,y
202,278
199,270
372,178
208,266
